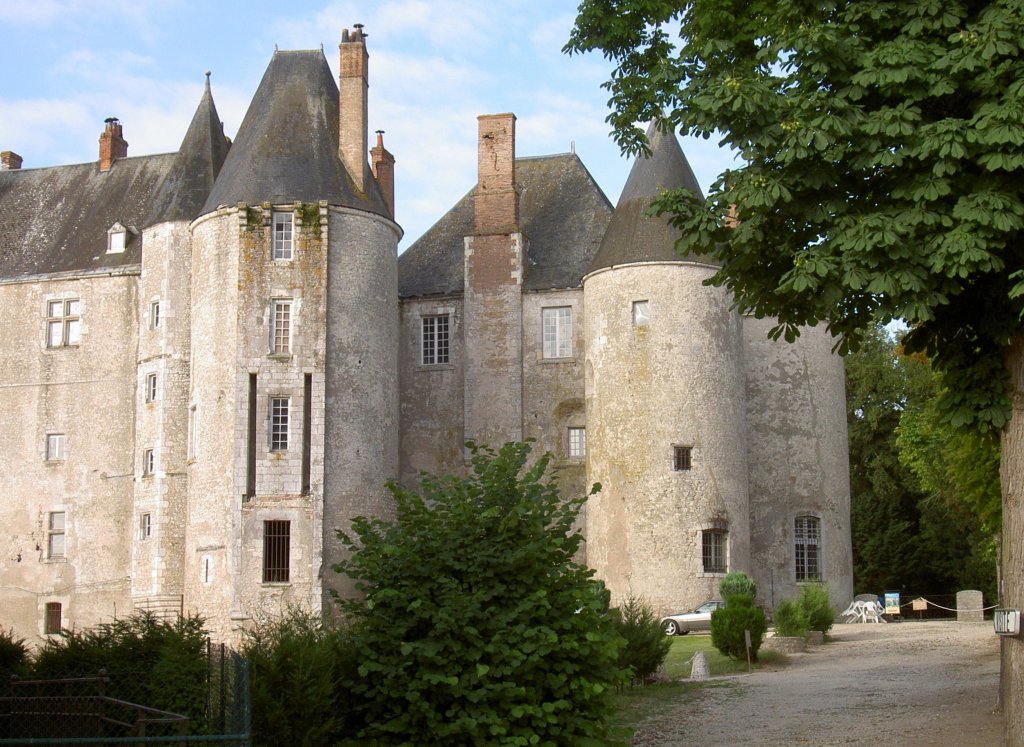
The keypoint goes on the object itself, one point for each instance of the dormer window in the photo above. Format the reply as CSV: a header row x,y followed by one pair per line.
x,y
117,238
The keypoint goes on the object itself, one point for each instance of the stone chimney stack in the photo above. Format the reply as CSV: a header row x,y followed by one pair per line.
x,y
9,161
383,165
353,84
112,144
496,207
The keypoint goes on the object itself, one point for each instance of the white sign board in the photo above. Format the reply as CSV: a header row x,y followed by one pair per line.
x,y
1007,622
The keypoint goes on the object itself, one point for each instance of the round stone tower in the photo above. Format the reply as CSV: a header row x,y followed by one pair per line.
x,y
666,418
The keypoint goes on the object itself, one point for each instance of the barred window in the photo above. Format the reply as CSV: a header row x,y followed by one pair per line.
x,y
714,543
276,551
52,624
279,414
282,236
435,340
281,327
55,534
807,550
557,331
577,443
63,323
682,458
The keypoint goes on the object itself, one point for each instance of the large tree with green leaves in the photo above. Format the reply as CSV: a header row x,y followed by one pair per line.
x,y
882,144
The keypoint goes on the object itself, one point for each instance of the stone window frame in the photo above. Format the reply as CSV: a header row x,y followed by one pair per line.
x,y
282,325
148,462
145,525
714,548
63,317
117,238
56,447
282,235
192,446
57,534
435,342
557,332
154,314
642,313
151,387
576,442
808,554
279,423
682,458
53,621
276,562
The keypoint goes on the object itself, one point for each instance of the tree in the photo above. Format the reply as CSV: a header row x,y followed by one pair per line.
x,y
883,146
477,626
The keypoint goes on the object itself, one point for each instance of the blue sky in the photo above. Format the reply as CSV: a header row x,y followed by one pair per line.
x,y
66,65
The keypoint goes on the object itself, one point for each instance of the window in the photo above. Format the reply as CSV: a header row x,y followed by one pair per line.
x,y
682,458
148,462
145,526
807,552
281,328
154,315
282,236
56,446
117,237
52,623
577,443
557,323
276,551
279,423
55,535
151,388
641,313
435,339
63,323
193,432
713,544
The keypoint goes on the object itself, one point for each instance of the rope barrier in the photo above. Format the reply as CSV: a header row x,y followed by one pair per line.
x,y
950,609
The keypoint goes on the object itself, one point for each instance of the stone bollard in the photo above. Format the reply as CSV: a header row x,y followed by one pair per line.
x,y
968,607
700,667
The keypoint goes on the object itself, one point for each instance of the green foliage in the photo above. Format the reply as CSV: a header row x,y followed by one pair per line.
x,y
790,619
477,625
729,623
881,147
161,664
14,654
817,607
646,643
737,582
297,667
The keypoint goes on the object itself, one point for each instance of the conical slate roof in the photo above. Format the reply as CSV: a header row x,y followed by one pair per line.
x,y
287,147
632,236
195,167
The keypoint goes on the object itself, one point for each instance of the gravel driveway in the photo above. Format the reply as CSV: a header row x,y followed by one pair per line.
x,y
910,684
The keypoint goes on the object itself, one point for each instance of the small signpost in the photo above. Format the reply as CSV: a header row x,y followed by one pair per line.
x,y
746,639
892,603
1006,621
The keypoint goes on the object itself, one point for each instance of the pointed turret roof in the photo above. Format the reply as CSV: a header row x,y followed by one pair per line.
x,y
196,165
287,147
632,236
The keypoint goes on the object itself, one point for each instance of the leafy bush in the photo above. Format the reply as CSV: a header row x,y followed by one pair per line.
x,y
14,658
296,666
646,643
477,626
790,619
737,583
729,623
817,607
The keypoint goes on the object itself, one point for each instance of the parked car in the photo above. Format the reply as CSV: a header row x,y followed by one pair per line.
x,y
698,619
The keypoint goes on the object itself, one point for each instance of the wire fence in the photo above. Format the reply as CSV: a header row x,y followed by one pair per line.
x,y
167,704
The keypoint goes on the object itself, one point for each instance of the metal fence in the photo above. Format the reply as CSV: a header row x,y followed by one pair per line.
x,y
159,706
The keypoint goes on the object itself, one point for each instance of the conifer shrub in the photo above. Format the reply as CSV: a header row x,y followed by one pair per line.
x,y
817,607
729,623
477,626
14,654
646,643
790,619
737,583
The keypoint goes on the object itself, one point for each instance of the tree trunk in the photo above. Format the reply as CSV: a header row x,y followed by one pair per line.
x,y
1011,589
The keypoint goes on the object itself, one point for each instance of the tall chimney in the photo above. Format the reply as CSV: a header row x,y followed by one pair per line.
x,y
9,161
352,117
495,208
112,145
383,165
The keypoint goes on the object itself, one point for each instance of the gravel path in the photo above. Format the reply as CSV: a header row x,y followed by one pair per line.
x,y
901,685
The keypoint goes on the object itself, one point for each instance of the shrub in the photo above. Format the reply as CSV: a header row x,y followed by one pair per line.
x,y
477,625
737,583
817,607
729,623
646,643
790,619
14,658
296,666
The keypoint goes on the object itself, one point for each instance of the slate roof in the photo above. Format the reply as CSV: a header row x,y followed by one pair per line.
x,y
56,219
631,235
287,146
562,212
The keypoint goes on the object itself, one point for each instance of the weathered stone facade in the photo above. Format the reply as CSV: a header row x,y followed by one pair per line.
x,y
214,359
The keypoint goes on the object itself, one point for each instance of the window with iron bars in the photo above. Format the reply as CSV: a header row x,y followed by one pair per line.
x,y
277,542
807,550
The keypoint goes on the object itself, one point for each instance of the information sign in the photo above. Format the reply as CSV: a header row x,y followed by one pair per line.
x,y
1007,622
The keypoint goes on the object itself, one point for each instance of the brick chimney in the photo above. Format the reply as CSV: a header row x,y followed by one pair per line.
x,y
9,161
496,207
383,165
112,145
353,84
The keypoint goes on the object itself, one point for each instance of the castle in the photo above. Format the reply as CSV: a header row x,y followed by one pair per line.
x,y
214,358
